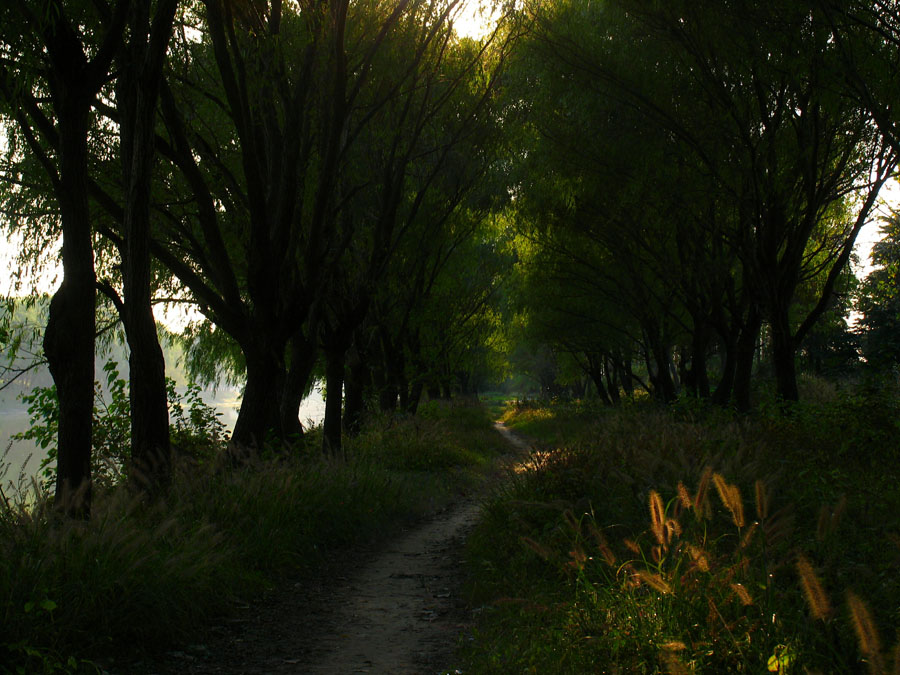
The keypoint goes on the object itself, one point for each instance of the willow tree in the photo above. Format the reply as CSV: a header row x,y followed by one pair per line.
x,y
428,148
751,104
56,62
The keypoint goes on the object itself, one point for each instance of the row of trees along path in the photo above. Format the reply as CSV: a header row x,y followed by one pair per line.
x,y
284,168
342,189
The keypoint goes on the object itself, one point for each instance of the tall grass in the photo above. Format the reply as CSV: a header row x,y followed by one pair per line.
x,y
140,575
693,540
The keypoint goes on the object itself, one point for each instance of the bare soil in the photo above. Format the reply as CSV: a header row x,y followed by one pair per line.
x,y
393,608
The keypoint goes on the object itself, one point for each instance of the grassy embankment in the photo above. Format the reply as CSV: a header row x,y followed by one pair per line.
x,y
643,540
142,575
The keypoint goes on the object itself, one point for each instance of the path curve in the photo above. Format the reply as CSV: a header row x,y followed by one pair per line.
x,y
399,611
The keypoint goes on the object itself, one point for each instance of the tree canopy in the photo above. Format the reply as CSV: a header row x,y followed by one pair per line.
x,y
618,195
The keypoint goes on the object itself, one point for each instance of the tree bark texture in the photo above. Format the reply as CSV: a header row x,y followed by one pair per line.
x,y
150,445
69,336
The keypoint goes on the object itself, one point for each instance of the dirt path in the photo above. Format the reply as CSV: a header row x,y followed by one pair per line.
x,y
395,609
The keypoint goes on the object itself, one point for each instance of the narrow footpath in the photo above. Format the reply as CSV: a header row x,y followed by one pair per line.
x,y
396,608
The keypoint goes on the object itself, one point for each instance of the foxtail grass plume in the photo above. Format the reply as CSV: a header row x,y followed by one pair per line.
x,y
672,529
700,499
579,557
657,517
743,595
674,646
684,496
603,545
748,535
762,500
655,580
866,632
731,498
699,557
780,526
816,598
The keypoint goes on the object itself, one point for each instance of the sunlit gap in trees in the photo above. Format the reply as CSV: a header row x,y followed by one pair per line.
x,y
475,18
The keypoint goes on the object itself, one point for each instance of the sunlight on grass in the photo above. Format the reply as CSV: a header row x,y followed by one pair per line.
x,y
692,540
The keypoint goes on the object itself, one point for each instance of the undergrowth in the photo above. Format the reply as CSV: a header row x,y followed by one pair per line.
x,y
691,539
141,575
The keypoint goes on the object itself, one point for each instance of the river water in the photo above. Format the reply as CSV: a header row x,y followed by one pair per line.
x,y
24,457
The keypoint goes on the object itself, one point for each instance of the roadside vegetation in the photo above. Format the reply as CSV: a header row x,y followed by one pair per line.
x,y
645,539
144,573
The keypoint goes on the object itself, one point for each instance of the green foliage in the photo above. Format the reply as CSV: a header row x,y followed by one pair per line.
x,y
442,436
878,300
140,574
743,566
196,430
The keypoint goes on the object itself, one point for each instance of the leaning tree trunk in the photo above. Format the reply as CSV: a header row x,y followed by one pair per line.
x,y
595,371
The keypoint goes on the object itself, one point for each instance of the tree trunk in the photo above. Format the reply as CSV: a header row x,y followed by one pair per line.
x,y
403,392
725,387
745,352
354,390
150,446
627,382
71,326
784,356
612,371
69,348
699,376
387,398
259,418
665,387
595,371
334,393
303,360
415,396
